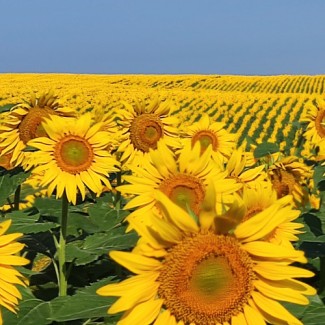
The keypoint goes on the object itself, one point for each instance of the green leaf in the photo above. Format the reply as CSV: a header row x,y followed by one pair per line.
x,y
27,223
115,239
319,171
6,108
314,314
75,253
49,206
321,185
106,218
9,181
84,304
265,149
313,222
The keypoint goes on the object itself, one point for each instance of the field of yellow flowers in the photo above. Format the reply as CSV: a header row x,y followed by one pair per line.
x,y
162,199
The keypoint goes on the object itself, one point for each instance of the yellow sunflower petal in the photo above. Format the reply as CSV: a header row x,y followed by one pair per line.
x,y
165,318
135,263
142,314
278,293
274,271
272,307
267,250
176,214
253,317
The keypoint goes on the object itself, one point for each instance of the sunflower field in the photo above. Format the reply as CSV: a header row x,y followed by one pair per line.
x,y
162,199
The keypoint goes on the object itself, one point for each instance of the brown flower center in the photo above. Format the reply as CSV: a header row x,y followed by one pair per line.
x,y
186,191
206,279
206,138
145,132
73,154
31,125
283,182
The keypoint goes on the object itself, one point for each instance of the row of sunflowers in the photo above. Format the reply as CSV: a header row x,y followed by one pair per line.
x,y
287,84
184,220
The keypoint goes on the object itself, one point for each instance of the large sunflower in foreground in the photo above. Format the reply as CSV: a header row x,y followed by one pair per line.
x,y
9,276
143,126
289,175
212,133
182,177
73,157
315,117
24,122
195,275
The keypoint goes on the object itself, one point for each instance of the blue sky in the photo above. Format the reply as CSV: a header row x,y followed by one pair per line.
x,y
241,37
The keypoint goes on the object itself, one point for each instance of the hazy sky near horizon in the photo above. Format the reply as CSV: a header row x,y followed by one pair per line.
x,y
252,37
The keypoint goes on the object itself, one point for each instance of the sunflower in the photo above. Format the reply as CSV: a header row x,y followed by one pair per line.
x,y
9,276
196,275
72,157
315,117
264,200
183,178
211,133
143,126
24,122
289,175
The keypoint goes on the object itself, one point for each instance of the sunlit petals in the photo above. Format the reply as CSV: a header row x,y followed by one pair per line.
x,y
142,314
135,263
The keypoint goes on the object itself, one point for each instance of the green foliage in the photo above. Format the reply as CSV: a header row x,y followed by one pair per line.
x,y
265,149
9,181
6,108
83,305
94,228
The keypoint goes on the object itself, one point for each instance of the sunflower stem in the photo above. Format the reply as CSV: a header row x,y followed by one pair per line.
x,y
118,193
17,197
63,285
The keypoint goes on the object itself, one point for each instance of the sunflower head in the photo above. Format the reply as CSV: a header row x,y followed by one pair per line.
x,y
9,259
186,274
144,125
210,133
289,175
72,157
314,116
24,123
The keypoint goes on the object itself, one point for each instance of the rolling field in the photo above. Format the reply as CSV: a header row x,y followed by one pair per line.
x,y
195,199
259,108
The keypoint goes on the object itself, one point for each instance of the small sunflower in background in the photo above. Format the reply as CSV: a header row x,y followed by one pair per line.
x,y
289,175
72,157
314,115
182,177
24,122
143,126
191,274
211,133
9,276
